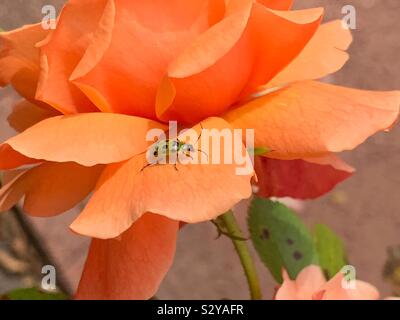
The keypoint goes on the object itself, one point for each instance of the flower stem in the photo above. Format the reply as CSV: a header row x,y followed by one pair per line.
x,y
231,225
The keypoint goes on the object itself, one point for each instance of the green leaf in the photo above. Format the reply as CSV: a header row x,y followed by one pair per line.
x,y
280,238
33,294
331,250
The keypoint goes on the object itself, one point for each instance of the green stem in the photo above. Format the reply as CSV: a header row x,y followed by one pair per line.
x,y
242,250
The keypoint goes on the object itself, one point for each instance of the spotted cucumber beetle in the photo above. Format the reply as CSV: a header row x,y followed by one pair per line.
x,y
168,150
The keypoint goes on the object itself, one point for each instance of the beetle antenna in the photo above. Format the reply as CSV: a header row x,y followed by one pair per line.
x,y
146,166
202,152
198,138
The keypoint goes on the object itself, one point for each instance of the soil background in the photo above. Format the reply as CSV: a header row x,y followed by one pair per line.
x,y
364,210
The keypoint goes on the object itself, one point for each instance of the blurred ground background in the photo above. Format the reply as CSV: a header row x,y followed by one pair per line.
x,y
364,210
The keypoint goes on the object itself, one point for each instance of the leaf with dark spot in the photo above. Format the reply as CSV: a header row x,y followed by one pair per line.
x,y
297,255
289,245
265,234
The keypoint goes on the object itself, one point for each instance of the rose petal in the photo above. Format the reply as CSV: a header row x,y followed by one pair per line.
x,y
287,291
25,114
87,139
233,58
308,281
309,119
190,193
158,31
8,196
277,4
62,52
335,290
50,188
19,58
133,266
11,159
323,55
301,178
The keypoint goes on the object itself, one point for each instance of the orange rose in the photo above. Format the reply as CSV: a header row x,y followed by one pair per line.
x,y
113,69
